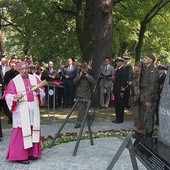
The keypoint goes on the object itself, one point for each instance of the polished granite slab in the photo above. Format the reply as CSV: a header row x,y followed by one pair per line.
x,y
153,154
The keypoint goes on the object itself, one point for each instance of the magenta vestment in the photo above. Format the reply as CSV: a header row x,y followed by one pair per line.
x,y
16,149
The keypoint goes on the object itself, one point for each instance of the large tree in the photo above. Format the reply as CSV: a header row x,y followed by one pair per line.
x,y
102,33
102,46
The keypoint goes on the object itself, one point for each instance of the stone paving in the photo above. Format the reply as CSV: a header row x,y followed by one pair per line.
x,y
88,157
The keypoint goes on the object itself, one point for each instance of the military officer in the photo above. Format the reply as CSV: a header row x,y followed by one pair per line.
x,y
119,88
162,75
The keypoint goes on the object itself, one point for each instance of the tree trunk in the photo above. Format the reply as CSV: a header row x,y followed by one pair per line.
x,y
102,37
79,21
88,31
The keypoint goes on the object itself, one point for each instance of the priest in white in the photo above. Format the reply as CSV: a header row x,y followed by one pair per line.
x,y
24,104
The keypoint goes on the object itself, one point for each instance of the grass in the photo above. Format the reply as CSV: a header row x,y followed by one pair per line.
x,y
102,115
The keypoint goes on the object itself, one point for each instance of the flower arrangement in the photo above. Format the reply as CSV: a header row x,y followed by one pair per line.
x,y
68,137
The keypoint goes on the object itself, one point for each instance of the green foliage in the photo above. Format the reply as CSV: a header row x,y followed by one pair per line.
x,y
68,137
127,19
45,32
157,37
47,29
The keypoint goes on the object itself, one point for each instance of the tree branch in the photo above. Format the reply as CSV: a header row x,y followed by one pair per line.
x,y
65,11
117,1
5,25
10,23
156,8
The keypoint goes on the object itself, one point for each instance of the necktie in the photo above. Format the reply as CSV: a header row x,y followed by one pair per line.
x,y
105,69
69,67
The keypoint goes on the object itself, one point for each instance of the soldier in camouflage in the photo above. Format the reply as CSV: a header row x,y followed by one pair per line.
x,y
135,101
162,75
84,84
148,93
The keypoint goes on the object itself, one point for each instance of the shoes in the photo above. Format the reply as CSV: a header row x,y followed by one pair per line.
x,y
32,158
117,122
137,135
23,162
77,126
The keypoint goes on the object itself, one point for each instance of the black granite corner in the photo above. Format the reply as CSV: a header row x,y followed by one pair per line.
x,y
153,154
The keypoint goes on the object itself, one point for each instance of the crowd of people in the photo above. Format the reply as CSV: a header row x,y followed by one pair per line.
x,y
138,88
135,87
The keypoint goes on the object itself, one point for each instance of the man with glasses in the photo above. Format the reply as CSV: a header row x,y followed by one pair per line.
x,y
24,103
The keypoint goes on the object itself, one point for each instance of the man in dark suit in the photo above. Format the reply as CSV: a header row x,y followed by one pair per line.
x,y
129,73
69,73
119,88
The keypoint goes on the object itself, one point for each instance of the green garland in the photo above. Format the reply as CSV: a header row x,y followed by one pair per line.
x,y
68,137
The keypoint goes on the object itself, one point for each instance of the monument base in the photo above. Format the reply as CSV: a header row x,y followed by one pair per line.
x,y
153,154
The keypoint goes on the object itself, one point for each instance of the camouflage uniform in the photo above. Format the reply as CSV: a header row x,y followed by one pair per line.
x,y
135,101
84,86
148,93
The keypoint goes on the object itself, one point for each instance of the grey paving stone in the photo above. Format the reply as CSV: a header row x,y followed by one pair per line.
x,y
96,157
